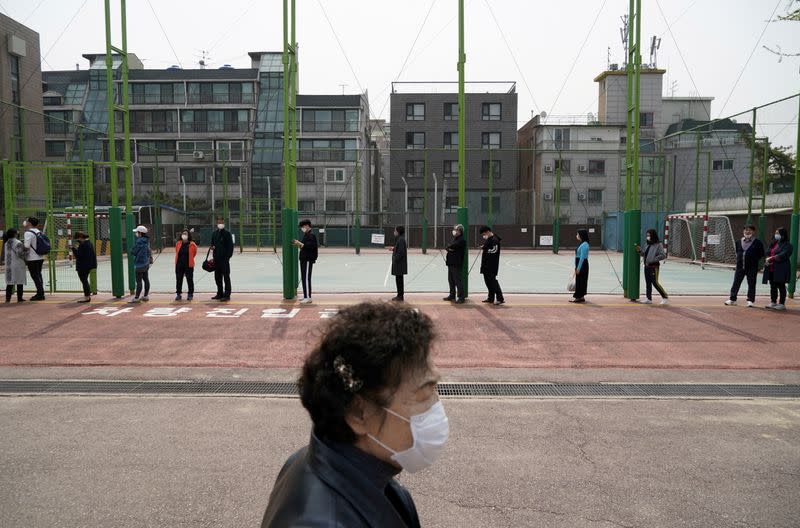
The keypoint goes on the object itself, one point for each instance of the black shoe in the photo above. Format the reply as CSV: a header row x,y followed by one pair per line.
x,y
216,297
37,298
225,299
459,301
490,301
21,300
448,298
498,303
398,298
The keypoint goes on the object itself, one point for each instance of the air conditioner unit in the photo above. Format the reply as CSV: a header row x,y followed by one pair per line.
x,y
581,196
547,196
548,168
581,168
198,154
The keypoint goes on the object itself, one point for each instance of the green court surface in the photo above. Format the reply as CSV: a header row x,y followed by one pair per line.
x,y
341,270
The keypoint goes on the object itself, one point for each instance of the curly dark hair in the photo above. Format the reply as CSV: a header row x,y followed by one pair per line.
x,y
381,344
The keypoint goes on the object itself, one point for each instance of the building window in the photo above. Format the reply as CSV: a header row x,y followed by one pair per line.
x,y
334,175
328,150
450,169
485,204
595,196
57,122
491,111
720,165
233,174
307,206
335,206
415,112
450,140
54,100
415,204
148,175
451,111
306,175
188,148
415,140
451,204
156,148
564,196
415,168
597,166
55,149
561,138
562,165
490,140
646,119
334,120
230,150
492,168
193,174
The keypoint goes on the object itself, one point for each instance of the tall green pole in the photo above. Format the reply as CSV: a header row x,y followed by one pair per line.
x,y
557,202
633,215
762,219
795,223
89,186
697,175
425,203
463,213
126,145
358,208
752,172
289,213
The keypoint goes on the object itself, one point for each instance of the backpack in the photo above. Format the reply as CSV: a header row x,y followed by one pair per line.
x,y
42,244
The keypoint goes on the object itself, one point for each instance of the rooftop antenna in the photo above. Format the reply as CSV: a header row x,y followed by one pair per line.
x,y
623,33
204,59
343,87
673,88
608,58
654,45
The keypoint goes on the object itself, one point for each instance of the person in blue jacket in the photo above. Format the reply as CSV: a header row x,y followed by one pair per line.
x,y
581,267
141,263
777,269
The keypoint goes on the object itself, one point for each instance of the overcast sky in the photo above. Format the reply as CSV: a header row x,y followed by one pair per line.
x,y
714,37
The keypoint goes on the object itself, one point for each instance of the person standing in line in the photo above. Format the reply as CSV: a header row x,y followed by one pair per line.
x,y
399,261
16,269
142,259
222,251
185,252
777,269
85,261
455,262
581,267
749,252
490,265
33,259
309,251
652,255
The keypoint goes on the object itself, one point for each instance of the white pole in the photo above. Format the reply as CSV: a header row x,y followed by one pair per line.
x,y
213,196
380,200
183,182
435,210
269,194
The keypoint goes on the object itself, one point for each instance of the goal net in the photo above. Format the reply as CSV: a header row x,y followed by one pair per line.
x,y
700,238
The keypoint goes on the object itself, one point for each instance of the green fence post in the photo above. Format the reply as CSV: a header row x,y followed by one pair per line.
x,y
557,202
795,222
49,227
358,208
8,195
89,187
762,219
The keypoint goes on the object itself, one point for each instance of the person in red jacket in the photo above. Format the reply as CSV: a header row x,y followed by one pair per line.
x,y
185,252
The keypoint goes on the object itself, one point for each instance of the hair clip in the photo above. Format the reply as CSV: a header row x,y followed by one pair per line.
x,y
345,371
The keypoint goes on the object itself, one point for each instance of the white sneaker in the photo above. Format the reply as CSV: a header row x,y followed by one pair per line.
x,y
730,303
305,300
780,307
647,301
664,301
771,306
751,304
135,300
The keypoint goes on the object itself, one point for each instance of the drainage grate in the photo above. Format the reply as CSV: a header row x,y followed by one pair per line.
x,y
455,390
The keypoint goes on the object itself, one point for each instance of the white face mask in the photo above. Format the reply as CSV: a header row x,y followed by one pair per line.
x,y
486,237
455,233
185,237
220,226
777,237
430,431
748,236
648,239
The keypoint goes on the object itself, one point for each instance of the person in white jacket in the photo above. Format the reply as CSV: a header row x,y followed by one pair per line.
x,y
34,260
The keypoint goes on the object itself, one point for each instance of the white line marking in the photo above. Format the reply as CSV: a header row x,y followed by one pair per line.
x,y
388,271
699,311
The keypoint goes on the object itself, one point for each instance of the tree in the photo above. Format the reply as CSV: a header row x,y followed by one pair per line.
x,y
790,16
781,166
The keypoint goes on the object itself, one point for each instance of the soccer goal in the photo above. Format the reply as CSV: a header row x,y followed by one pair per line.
x,y
701,239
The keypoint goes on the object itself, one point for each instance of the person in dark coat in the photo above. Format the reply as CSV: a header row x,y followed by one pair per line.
x,y
777,269
309,251
185,253
490,265
85,262
581,267
369,386
456,253
222,251
399,260
749,252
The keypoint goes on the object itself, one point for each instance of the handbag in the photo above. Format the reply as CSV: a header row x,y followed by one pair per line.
x,y
208,264
571,284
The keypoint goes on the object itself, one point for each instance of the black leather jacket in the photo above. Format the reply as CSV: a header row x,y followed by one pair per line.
x,y
342,487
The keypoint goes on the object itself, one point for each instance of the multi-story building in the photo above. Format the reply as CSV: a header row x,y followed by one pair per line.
x,y
21,123
380,143
424,131
206,137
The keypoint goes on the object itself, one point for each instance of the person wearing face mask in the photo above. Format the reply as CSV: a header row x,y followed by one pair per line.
x,y
652,255
309,251
777,269
85,261
16,270
399,260
581,272
455,263
185,252
142,258
369,386
749,252
222,251
490,265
